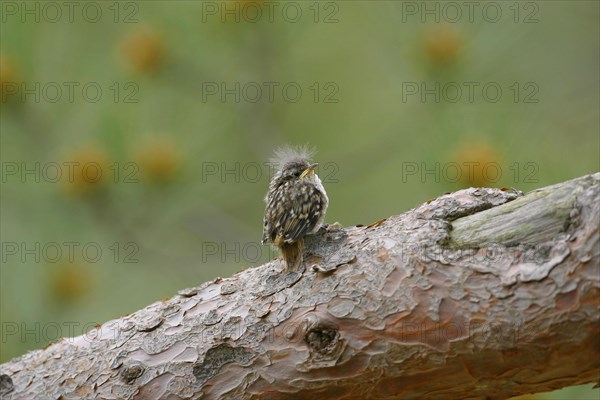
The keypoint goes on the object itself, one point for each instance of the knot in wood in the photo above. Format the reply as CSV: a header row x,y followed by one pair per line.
x,y
132,372
322,340
6,384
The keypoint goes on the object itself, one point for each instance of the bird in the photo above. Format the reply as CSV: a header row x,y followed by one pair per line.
x,y
296,203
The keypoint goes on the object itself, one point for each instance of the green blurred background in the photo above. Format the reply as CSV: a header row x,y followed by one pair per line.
x,y
181,149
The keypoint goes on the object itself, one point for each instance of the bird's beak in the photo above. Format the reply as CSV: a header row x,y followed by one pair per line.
x,y
309,170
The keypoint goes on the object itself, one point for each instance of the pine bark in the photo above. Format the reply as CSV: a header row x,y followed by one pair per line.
x,y
482,293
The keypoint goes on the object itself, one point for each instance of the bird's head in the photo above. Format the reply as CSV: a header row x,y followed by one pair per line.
x,y
293,163
298,169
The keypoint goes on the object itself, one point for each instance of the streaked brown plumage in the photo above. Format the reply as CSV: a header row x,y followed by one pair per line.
x,y
296,204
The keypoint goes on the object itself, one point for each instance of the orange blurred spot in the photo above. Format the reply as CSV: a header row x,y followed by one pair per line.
x,y
444,45
87,172
144,50
480,164
9,79
70,282
158,159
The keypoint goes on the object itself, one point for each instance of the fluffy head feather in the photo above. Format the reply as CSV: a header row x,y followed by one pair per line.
x,y
292,154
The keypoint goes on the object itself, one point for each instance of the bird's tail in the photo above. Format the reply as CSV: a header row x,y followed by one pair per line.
x,y
292,254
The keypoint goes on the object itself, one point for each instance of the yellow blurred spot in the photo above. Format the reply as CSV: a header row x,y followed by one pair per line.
x,y
9,79
87,171
158,159
444,44
70,282
144,50
478,164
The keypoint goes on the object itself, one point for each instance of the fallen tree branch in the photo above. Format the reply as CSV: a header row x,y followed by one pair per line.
x,y
482,293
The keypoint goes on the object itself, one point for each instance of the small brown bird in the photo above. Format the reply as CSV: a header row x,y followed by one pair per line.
x,y
296,204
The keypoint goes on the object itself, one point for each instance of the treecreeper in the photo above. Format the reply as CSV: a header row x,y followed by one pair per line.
x,y
296,204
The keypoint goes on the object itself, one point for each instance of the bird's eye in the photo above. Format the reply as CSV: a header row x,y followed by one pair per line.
x,y
297,174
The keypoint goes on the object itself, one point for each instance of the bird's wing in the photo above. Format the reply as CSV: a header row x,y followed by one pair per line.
x,y
293,212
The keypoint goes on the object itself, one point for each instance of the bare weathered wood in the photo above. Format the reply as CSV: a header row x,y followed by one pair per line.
x,y
482,293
